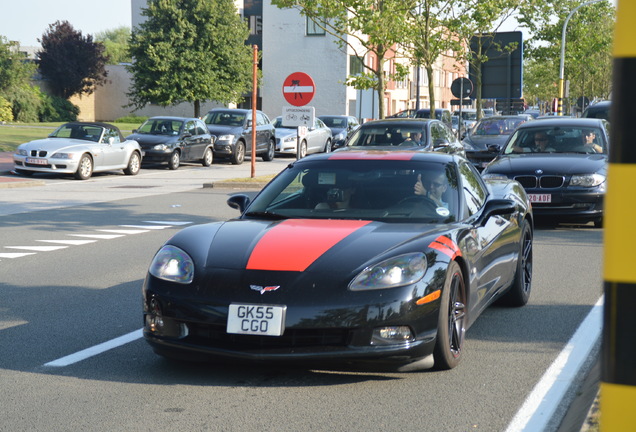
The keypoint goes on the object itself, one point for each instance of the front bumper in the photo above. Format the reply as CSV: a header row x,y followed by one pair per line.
x,y
45,165
286,147
155,156
480,159
568,206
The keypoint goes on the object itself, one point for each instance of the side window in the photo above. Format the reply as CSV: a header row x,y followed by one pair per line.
x,y
111,133
260,119
190,128
473,188
201,129
437,132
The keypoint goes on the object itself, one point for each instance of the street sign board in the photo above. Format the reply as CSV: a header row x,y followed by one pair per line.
x,y
462,87
299,89
463,102
298,116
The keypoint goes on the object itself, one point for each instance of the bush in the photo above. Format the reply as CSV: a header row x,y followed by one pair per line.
x,y
131,119
57,109
25,103
6,115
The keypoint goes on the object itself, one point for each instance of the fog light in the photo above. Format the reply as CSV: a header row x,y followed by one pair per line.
x,y
392,335
154,320
162,326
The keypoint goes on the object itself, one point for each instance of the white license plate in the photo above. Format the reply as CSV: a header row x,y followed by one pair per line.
x,y
256,319
540,198
37,161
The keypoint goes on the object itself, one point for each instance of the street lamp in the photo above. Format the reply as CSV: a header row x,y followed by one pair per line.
x,y
561,66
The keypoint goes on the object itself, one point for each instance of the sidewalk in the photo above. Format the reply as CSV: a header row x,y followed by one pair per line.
x,y
9,180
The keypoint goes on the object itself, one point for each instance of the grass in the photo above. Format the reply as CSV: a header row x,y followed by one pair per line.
x,y
14,134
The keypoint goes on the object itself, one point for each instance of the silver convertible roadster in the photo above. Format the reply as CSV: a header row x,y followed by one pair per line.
x,y
79,148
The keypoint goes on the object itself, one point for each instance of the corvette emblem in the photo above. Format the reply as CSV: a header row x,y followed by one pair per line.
x,y
262,289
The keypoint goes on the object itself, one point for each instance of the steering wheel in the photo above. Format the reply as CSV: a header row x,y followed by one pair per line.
x,y
411,204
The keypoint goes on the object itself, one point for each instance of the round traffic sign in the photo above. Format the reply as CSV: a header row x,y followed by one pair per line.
x,y
462,87
299,89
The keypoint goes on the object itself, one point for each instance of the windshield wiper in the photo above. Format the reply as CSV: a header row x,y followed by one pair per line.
x,y
266,215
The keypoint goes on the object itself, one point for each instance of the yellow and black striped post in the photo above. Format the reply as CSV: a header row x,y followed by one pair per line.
x,y
618,378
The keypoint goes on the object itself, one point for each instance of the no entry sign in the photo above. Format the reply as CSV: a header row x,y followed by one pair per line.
x,y
299,89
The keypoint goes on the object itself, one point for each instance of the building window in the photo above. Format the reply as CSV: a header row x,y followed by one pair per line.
x,y
255,23
356,67
313,29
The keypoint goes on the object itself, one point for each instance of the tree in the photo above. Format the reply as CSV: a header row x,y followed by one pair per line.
x,y
190,51
72,63
115,44
372,29
15,83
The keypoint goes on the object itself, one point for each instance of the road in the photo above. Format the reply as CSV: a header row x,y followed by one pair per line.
x,y
73,256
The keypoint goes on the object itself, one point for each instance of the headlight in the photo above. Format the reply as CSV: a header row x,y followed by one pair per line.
x,y
290,138
394,272
587,180
340,136
160,147
22,152
226,138
494,176
173,265
62,155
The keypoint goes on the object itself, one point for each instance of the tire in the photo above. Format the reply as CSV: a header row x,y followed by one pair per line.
x,y
84,168
238,156
328,148
175,160
519,292
268,156
208,157
451,322
134,164
302,150
598,223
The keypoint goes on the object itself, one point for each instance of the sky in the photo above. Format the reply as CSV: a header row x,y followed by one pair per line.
x,y
26,20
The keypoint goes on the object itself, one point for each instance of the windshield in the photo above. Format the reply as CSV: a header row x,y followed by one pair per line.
x,y
78,131
358,189
278,123
557,139
494,126
226,118
389,135
335,122
160,127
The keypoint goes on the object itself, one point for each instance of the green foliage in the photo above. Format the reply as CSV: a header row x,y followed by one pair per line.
x,y
72,63
131,119
57,109
6,115
190,51
115,44
15,83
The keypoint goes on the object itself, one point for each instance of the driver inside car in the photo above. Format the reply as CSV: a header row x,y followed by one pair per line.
x,y
432,187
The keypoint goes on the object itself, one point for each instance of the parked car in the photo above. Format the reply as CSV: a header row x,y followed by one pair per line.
x,y
392,280
489,112
440,114
400,134
409,113
318,138
468,117
455,127
232,129
174,140
79,148
342,126
484,141
566,182
598,110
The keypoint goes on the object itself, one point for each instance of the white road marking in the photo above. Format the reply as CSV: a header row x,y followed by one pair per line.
x,y
37,248
540,406
123,231
69,242
98,236
167,223
95,350
147,227
15,255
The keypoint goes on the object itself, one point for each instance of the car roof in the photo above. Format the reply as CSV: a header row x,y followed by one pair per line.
x,y
100,124
172,118
396,121
379,155
564,122
241,110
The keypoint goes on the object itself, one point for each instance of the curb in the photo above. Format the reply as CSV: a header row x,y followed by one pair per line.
x,y
234,185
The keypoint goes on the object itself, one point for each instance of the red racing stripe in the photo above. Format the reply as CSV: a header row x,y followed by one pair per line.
x,y
372,155
446,246
294,244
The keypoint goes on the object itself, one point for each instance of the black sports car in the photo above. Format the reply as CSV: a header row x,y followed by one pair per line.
x,y
565,177
338,260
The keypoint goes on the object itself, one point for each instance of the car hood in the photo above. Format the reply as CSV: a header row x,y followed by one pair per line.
x,y
333,248
482,142
336,130
56,144
223,130
549,163
285,132
149,140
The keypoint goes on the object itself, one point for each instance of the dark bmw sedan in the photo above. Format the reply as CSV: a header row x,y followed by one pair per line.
x,y
486,139
562,165
174,139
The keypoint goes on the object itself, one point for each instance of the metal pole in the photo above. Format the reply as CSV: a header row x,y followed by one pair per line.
x,y
254,96
562,63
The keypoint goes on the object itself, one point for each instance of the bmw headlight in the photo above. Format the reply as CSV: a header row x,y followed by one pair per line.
x,y
229,137
394,272
160,147
172,264
587,180
494,176
290,138
62,155
22,152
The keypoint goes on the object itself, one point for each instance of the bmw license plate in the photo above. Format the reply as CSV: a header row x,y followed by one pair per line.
x,y
37,161
256,319
540,198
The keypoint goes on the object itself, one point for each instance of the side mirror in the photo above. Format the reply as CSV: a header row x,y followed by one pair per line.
x,y
135,130
238,202
249,123
496,207
440,143
494,148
